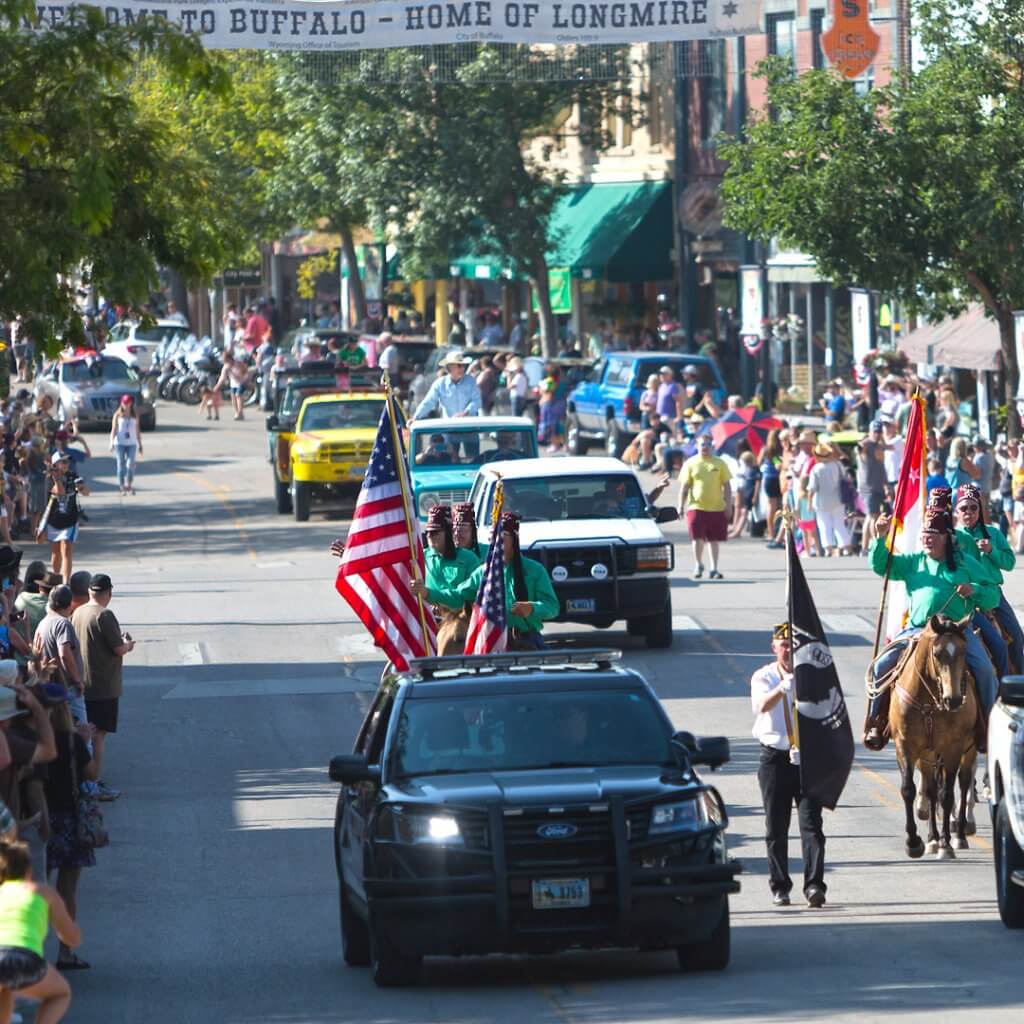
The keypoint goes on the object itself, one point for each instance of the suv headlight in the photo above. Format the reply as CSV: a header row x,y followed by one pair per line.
x,y
308,456
686,816
432,829
427,501
657,556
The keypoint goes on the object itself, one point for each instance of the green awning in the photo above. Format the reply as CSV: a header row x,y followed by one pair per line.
x,y
613,231
622,232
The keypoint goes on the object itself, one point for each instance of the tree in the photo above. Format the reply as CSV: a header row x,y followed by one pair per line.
x,y
442,164
916,189
87,182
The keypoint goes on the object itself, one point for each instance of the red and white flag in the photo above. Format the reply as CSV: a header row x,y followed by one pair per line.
x,y
383,543
908,510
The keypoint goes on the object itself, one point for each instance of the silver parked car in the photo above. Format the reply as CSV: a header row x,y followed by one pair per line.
x,y
89,389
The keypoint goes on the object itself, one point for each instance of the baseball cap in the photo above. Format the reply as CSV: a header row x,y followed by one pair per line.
x,y
876,424
57,457
100,583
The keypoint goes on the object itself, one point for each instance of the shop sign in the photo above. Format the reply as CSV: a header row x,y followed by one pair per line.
x,y
851,44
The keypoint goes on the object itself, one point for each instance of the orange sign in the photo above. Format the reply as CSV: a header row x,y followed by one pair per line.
x,y
851,44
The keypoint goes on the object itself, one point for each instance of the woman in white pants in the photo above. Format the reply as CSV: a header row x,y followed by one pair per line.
x,y
825,485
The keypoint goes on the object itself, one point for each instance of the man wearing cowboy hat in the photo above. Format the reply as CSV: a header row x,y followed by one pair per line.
x,y
454,394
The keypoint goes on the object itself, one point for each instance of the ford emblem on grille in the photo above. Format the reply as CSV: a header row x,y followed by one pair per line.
x,y
558,830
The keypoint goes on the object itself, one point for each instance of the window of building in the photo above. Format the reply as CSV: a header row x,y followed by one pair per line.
x,y
817,28
782,36
713,98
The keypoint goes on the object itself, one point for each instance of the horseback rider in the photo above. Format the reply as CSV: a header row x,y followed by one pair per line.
x,y
530,599
987,544
940,580
464,522
446,565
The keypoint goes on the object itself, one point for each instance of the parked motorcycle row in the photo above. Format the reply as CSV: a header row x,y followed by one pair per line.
x,y
183,368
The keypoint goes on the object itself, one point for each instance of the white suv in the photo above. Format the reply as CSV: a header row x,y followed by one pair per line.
x,y
136,344
1006,785
591,525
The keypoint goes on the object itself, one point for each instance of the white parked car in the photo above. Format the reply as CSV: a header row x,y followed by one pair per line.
x,y
1006,788
136,344
589,522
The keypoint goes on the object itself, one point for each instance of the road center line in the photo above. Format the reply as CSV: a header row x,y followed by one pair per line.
x,y
219,491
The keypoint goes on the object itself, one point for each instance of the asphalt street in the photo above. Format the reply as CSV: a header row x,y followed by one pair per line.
x,y
217,899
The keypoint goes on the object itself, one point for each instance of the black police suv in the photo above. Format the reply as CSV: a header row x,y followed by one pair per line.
x,y
527,803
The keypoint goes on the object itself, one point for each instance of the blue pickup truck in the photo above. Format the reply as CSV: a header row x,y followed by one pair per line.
x,y
605,408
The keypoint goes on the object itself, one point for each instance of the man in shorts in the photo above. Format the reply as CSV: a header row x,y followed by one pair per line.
x,y
705,494
103,649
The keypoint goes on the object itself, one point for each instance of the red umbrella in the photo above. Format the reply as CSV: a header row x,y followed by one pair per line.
x,y
748,424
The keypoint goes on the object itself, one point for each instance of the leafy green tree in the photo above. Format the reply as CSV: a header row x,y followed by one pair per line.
x,y
88,182
442,164
916,189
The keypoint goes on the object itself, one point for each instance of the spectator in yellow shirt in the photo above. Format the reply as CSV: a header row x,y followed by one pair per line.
x,y
705,494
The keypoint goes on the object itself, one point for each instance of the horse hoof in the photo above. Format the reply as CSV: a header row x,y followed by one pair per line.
x,y
970,828
933,846
945,854
915,849
960,844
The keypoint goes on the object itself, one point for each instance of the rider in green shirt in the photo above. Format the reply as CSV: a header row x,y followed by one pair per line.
x,y
464,523
987,543
940,580
447,567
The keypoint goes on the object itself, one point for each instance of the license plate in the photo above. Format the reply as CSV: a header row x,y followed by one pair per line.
x,y
554,893
580,604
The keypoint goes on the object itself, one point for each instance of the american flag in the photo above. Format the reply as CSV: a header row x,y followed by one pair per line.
x,y
376,569
488,625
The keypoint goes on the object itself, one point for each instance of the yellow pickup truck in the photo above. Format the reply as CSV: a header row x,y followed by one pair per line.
x,y
331,448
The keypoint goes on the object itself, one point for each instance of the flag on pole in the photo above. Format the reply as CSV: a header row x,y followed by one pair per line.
x,y
488,625
384,552
908,510
822,727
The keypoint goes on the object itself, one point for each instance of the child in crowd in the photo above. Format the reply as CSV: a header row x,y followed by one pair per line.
x,y
746,493
806,518
936,478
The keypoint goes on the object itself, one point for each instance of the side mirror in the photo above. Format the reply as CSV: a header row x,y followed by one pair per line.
x,y
348,769
273,422
668,514
686,740
712,751
1011,691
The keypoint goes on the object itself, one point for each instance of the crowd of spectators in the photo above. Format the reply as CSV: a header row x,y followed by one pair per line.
x,y
61,655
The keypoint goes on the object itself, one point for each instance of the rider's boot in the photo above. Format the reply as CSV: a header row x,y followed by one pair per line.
x,y
876,728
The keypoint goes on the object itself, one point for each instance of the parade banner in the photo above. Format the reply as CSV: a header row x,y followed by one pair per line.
x,y
382,24
823,730
751,309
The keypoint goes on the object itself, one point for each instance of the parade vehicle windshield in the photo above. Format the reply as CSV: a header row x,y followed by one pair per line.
x,y
104,368
529,731
562,498
471,447
342,415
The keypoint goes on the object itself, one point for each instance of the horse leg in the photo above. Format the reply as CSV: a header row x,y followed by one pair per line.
x,y
929,783
965,778
947,792
914,845
921,804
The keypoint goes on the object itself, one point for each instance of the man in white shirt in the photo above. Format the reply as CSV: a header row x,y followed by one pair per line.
x,y
893,453
772,698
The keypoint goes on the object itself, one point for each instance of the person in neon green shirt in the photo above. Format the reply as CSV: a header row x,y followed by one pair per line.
x,y
27,909
987,543
705,495
940,580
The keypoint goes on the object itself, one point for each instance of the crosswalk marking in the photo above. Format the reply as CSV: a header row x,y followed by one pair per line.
x,y
839,622
191,654
233,688
686,624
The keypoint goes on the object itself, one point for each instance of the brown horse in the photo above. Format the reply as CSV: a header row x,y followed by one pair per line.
x,y
451,633
933,717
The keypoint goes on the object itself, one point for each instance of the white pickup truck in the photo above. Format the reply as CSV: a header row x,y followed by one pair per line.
x,y
591,525
1006,786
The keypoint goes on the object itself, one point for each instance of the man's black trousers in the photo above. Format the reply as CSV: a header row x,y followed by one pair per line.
x,y
780,790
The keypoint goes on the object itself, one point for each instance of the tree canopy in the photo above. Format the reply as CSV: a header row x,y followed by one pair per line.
x,y
916,188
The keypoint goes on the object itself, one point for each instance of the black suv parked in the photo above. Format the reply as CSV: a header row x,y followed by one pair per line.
x,y
527,803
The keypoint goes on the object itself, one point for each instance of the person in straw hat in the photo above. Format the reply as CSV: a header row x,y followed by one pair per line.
x,y
826,487
454,394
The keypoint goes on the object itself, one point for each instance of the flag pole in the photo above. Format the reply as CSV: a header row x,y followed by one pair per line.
x,y
400,469
792,726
